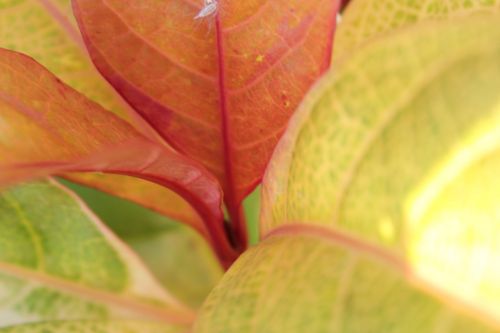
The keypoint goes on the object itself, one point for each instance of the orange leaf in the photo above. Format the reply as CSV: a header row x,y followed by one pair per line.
x,y
220,89
64,131
149,195
47,31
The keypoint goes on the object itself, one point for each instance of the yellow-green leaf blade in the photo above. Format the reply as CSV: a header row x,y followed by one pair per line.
x,y
455,225
102,326
309,283
58,262
367,20
379,140
333,132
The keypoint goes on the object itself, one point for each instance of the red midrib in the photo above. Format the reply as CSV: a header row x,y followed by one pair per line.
x,y
230,195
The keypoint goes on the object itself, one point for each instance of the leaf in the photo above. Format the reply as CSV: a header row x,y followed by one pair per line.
x,y
59,262
455,224
220,89
368,20
47,31
381,166
67,132
181,259
252,209
308,280
175,254
147,194
92,327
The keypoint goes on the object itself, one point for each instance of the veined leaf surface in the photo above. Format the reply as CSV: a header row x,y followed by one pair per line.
x,y
67,132
220,89
59,262
47,31
307,280
367,20
408,162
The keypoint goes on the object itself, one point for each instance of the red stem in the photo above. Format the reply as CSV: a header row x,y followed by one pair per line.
x,y
217,236
238,227
220,242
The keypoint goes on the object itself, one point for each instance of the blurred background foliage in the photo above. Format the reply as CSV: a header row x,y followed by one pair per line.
x,y
179,258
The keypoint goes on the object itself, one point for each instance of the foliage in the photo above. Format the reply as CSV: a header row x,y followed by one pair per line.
x,y
379,208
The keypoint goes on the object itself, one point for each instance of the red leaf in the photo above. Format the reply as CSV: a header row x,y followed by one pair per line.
x,y
220,89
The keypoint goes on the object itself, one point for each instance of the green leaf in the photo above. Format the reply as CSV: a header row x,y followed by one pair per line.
x,y
180,259
365,21
308,281
397,147
81,326
252,208
59,262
